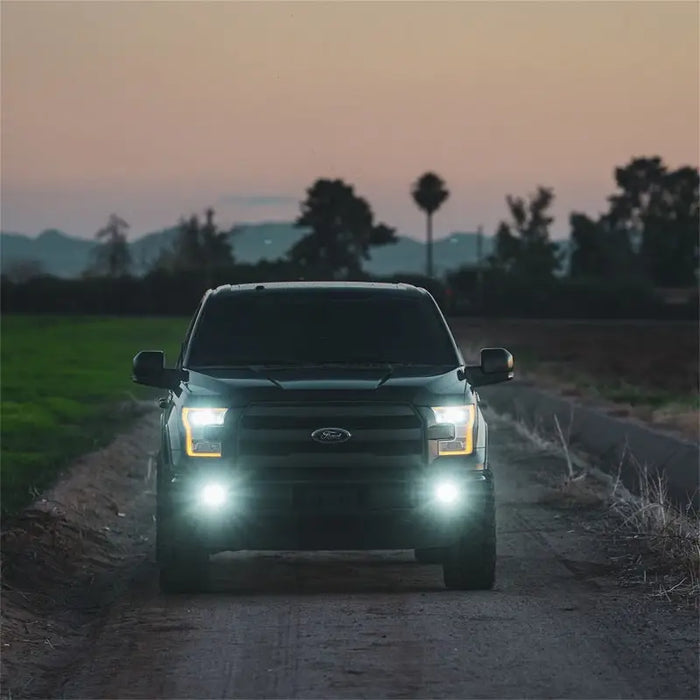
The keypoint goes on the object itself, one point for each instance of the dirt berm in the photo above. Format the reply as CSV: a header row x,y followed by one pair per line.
x,y
613,442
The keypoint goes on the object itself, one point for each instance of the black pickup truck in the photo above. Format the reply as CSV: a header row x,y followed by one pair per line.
x,y
326,415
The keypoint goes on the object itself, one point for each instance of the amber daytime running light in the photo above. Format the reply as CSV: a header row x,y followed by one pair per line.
x,y
462,417
197,422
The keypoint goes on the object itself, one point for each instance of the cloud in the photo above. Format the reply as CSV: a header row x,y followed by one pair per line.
x,y
250,201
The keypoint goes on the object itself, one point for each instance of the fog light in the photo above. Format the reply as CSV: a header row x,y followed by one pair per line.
x,y
213,495
447,493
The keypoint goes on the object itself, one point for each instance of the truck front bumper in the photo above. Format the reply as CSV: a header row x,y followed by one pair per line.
x,y
431,511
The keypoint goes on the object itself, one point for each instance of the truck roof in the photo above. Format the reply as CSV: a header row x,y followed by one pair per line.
x,y
380,287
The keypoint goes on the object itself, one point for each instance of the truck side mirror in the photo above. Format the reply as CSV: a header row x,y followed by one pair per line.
x,y
496,367
149,369
496,361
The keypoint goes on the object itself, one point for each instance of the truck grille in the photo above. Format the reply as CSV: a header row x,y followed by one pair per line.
x,y
283,430
286,470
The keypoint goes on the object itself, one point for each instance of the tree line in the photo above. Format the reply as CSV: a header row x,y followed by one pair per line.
x,y
647,239
649,232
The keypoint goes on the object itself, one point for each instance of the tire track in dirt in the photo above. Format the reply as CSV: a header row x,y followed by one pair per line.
x,y
355,624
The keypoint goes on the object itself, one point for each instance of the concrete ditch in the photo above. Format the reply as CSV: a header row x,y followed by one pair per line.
x,y
617,443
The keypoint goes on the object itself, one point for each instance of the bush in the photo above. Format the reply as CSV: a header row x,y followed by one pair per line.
x,y
501,295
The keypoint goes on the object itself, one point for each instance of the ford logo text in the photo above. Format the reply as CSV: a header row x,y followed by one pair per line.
x,y
331,435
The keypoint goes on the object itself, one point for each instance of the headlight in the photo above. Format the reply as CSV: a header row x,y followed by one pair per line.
x,y
198,423
462,417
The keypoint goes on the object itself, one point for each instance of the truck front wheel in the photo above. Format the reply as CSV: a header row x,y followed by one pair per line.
x,y
431,555
182,561
470,563
183,572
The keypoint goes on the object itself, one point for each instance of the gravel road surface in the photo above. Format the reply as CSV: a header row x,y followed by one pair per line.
x,y
370,625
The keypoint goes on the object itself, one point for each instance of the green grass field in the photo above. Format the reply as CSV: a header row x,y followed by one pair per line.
x,y
62,379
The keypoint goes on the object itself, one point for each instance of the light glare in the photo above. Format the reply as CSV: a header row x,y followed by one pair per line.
x,y
207,416
451,414
213,495
447,492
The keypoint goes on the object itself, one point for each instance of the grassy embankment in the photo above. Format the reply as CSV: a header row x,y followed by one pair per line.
x,y
65,380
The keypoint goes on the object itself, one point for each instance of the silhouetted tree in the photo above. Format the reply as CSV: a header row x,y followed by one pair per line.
x,y
198,247
215,244
342,231
429,192
658,210
188,252
24,270
599,250
112,257
522,247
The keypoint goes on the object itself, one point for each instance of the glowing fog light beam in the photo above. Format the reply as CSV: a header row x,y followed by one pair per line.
x,y
447,493
213,495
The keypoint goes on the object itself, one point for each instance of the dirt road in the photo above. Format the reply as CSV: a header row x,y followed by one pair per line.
x,y
376,625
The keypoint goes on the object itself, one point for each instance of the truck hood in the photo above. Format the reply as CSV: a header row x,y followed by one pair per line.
x,y
412,384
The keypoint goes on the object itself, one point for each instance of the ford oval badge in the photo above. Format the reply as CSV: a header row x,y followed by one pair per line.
x,y
331,436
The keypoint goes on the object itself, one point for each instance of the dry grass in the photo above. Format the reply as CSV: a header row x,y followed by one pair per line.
x,y
665,536
645,370
655,541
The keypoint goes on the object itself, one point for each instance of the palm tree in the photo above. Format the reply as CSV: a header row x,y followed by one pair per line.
x,y
429,192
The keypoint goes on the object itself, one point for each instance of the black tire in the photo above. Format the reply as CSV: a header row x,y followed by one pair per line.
x,y
183,572
470,564
183,563
432,555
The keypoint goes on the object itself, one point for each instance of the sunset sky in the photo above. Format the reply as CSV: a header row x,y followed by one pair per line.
x,y
155,110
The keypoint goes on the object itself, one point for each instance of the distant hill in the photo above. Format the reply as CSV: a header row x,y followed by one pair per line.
x,y
408,254
272,240
67,256
58,253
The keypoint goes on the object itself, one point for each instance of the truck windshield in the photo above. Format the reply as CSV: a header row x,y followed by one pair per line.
x,y
328,326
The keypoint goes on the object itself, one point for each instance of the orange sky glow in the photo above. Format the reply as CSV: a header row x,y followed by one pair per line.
x,y
155,110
